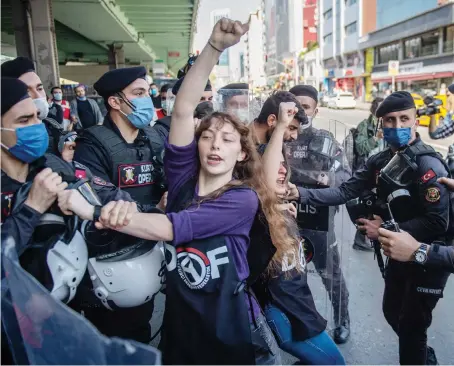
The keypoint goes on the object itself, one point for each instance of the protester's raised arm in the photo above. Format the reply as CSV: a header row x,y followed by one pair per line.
x,y
226,33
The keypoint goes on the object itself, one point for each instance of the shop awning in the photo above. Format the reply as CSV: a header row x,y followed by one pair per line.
x,y
414,77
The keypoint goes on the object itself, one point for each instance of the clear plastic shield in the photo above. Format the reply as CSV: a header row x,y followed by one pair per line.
x,y
170,102
40,330
235,101
317,161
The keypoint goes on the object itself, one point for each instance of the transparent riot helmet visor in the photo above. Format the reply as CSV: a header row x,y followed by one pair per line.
x,y
235,102
170,102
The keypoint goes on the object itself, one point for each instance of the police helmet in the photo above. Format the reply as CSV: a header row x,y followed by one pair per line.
x,y
65,253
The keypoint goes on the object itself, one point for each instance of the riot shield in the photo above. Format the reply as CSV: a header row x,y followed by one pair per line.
x,y
236,102
170,102
317,161
40,330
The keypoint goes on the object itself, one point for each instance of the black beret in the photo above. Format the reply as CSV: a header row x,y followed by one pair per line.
x,y
236,86
115,81
17,67
177,86
305,91
13,91
395,102
451,88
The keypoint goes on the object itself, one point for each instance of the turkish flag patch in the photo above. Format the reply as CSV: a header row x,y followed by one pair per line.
x,y
81,174
428,176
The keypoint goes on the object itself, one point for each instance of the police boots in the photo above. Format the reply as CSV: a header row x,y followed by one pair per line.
x,y
342,330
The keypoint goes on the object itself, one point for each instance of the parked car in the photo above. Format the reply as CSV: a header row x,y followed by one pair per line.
x,y
324,98
342,100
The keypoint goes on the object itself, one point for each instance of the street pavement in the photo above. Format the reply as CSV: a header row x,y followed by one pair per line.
x,y
372,340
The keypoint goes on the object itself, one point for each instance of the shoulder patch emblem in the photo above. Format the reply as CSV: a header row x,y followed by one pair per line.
x,y
432,194
428,176
101,182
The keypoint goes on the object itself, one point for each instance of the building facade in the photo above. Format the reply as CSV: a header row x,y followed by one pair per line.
x,y
423,45
254,58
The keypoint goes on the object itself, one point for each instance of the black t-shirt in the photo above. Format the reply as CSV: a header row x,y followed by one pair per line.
x,y
86,114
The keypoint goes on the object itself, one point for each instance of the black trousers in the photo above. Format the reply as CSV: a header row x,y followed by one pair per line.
x,y
411,294
327,263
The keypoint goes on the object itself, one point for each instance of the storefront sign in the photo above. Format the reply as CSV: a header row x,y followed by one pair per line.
x,y
414,68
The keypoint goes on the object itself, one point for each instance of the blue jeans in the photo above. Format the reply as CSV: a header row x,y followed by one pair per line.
x,y
319,350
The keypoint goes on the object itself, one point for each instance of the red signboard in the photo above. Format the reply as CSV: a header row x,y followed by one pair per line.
x,y
173,54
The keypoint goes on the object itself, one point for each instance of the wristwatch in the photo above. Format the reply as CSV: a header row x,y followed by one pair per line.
x,y
421,254
97,213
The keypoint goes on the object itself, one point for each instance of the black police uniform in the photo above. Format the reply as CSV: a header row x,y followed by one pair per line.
x,y
133,168
406,304
317,223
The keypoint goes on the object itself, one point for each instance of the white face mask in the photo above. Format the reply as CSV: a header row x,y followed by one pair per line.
x,y
43,107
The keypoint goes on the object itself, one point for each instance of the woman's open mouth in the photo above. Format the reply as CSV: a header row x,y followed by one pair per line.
x,y
214,159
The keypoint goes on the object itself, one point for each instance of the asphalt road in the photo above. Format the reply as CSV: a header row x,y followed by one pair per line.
x,y
372,340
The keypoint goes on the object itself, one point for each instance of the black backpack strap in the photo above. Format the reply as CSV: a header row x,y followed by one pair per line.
x,y
415,151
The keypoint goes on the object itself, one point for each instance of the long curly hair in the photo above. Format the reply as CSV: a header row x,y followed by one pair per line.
x,y
249,172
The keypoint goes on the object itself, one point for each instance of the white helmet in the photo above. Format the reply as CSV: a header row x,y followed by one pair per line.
x,y
66,258
130,277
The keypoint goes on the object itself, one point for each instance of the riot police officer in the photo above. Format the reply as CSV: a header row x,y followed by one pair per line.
x,y
23,69
411,291
119,154
119,151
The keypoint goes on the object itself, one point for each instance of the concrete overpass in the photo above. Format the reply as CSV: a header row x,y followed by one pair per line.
x,y
81,39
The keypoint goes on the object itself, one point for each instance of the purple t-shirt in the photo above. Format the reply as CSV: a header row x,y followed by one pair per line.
x,y
231,215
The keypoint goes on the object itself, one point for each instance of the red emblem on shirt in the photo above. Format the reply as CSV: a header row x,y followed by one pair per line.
x,y
81,174
428,176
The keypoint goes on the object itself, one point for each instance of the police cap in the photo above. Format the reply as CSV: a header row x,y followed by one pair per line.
x,y
17,67
177,86
305,91
13,91
115,81
396,102
451,88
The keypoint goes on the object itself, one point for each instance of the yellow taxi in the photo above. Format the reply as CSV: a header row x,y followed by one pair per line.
x,y
419,103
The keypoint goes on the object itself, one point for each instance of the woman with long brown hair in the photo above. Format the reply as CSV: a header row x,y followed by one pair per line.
x,y
216,193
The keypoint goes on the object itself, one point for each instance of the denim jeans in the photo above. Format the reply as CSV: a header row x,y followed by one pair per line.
x,y
319,350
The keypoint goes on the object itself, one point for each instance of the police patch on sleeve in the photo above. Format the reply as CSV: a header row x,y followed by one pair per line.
x,y
432,194
428,176
101,182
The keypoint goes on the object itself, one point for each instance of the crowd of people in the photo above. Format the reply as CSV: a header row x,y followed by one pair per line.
x,y
174,192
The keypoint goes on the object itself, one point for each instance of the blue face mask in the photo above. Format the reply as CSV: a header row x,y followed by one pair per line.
x,y
58,96
32,142
82,99
154,92
142,114
397,137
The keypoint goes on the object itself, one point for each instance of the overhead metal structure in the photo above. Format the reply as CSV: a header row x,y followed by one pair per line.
x,y
147,30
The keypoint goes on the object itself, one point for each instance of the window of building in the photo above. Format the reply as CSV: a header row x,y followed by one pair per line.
x,y
328,14
328,38
448,39
350,29
423,45
350,2
387,53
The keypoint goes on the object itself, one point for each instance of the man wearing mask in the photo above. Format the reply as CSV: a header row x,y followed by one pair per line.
x,y
333,279
235,100
155,97
85,112
57,98
23,69
411,292
120,153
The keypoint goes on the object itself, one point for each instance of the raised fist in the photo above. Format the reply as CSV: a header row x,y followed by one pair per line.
x,y
287,111
227,33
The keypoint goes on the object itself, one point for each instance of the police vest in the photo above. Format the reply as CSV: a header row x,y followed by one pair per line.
x,y
133,167
202,280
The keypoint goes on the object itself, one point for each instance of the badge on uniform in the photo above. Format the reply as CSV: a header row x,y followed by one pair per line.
x,y
428,176
80,174
101,182
432,194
